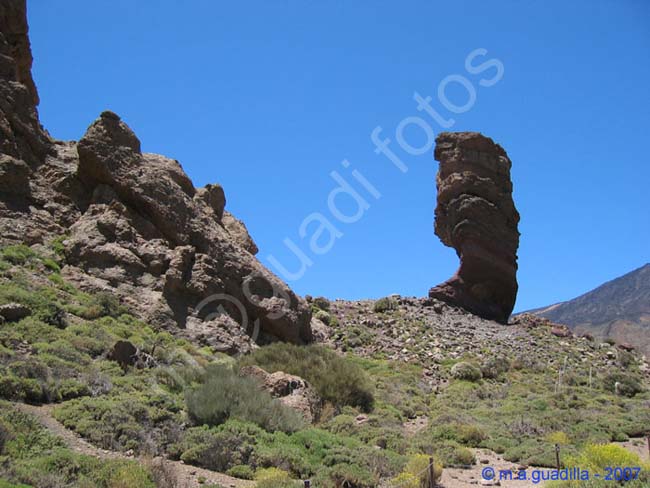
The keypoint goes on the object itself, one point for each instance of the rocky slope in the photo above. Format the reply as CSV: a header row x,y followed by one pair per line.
x,y
429,333
619,309
132,223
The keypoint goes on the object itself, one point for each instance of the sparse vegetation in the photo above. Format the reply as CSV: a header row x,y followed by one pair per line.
x,y
223,394
466,372
336,379
385,304
194,406
33,457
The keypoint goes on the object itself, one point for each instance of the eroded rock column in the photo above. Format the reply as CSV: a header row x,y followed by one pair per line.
x,y
476,216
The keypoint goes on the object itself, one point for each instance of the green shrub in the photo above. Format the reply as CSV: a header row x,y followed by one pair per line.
x,y
143,423
219,448
18,254
37,458
624,384
102,304
471,435
57,246
5,436
337,379
274,478
466,371
416,474
322,303
559,438
323,316
350,475
597,457
23,389
223,394
385,304
241,471
460,456
494,367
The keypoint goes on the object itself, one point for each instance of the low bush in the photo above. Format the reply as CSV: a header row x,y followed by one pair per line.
x,y
5,436
274,478
323,316
494,367
17,254
241,471
471,435
322,303
336,379
466,371
416,473
219,448
624,384
385,304
597,457
146,424
560,438
37,458
223,394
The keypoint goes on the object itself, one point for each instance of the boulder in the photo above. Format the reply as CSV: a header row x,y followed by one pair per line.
x,y
476,216
291,390
561,331
124,353
13,312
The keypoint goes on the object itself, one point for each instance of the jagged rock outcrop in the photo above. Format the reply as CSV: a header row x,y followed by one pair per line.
x,y
476,216
132,223
21,135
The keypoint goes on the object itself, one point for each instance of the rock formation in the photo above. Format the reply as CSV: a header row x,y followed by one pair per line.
x,y
476,216
132,223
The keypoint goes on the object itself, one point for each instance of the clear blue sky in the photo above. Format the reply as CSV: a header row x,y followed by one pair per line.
x,y
268,97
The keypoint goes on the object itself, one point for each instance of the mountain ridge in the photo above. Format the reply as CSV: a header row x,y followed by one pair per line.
x,y
617,309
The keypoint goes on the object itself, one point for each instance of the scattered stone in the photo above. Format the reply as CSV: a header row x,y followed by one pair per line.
x,y
561,331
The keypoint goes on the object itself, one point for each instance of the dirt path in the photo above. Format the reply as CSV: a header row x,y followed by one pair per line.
x,y
185,475
638,446
189,476
461,478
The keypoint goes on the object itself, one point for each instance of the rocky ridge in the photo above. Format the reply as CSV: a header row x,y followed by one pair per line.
x,y
618,309
430,333
132,223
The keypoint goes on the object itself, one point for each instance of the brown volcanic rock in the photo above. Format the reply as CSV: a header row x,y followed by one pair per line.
x,y
21,134
476,216
134,224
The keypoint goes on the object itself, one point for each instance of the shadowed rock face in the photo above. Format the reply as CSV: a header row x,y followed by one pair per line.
x,y
477,217
132,223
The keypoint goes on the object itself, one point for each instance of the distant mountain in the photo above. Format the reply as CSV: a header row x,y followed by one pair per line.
x,y
619,309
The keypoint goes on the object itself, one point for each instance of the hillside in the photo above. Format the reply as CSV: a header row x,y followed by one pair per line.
x,y
391,380
142,343
619,309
